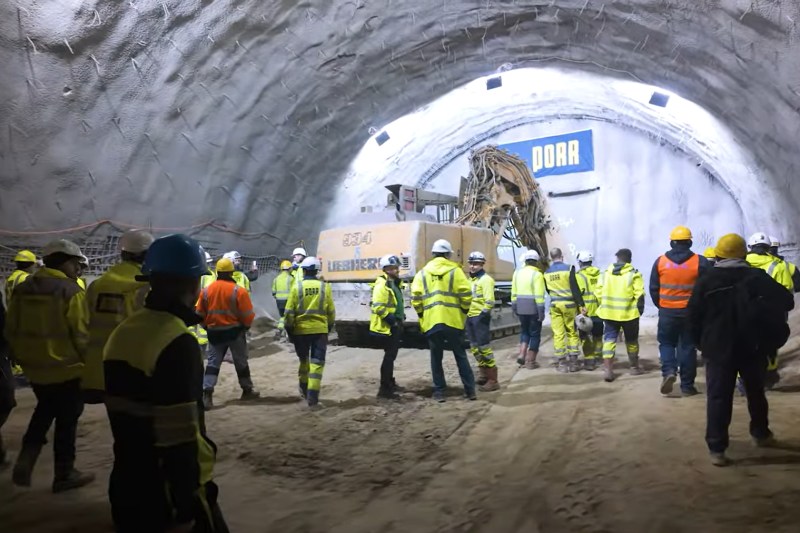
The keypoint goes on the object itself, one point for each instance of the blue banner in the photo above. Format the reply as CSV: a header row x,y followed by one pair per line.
x,y
560,154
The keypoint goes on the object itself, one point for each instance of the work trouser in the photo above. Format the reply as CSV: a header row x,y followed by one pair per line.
x,y
593,341
281,311
530,331
311,350
565,333
452,340
7,400
216,353
391,346
62,403
720,384
630,329
480,336
676,350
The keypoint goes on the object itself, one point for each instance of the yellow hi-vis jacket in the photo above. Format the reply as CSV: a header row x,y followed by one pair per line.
x,y
528,291
242,280
587,282
773,266
16,277
110,299
482,294
618,291
309,309
46,327
384,303
282,285
441,294
198,330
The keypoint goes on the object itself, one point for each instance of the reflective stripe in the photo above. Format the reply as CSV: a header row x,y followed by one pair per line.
x,y
675,298
619,307
771,268
124,405
445,304
175,424
677,287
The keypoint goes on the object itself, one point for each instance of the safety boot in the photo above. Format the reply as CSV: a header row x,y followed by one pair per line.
x,y
589,364
608,370
302,389
634,361
67,478
572,363
387,393
312,397
563,365
208,400
523,350
250,394
482,376
491,382
396,387
23,469
530,359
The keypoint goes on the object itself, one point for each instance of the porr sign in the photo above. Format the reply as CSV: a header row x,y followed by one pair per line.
x,y
560,154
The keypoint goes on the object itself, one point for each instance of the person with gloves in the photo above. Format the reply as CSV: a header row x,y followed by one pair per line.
x,y
587,278
387,314
479,321
565,303
242,279
527,302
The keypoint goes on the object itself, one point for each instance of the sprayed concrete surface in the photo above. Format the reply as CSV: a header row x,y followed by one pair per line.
x,y
550,453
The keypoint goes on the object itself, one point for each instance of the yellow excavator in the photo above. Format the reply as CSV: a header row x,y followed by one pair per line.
x,y
500,207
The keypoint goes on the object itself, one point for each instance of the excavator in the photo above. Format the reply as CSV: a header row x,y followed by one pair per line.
x,y
499,206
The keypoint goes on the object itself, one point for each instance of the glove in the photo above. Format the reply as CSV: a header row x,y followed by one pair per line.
x,y
391,319
485,317
514,307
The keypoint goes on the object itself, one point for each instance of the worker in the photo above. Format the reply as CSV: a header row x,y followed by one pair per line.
x,y
298,255
83,266
736,318
162,478
774,249
709,255
310,317
26,263
198,330
47,330
565,302
112,298
587,278
759,257
620,293
227,314
7,400
479,321
441,295
281,286
672,281
527,302
387,314
242,279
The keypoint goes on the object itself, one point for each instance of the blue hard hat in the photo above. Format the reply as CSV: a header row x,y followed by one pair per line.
x,y
177,255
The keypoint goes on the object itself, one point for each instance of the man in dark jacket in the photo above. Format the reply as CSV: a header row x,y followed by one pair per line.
x,y
730,313
672,281
7,401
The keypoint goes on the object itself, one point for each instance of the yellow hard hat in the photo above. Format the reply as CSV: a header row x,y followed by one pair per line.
x,y
680,233
731,246
25,256
710,253
286,265
225,265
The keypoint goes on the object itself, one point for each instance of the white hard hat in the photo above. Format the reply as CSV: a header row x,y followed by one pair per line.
x,y
476,257
758,238
135,241
531,255
208,257
84,261
442,247
300,251
585,256
233,256
389,260
62,246
774,242
584,323
310,263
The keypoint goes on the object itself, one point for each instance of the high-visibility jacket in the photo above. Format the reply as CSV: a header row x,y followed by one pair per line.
x,y
153,401
384,303
282,285
587,282
441,295
528,291
111,298
482,294
16,277
225,305
618,291
310,309
46,327
773,266
198,330
676,281
559,281
242,280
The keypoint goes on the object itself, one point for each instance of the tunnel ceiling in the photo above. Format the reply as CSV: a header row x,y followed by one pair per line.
x,y
178,112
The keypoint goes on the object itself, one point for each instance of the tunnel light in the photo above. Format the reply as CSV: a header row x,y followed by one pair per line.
x,y
494,83
659,99
382,138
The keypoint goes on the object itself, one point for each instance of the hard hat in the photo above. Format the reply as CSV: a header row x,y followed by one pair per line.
x,y
680,233
531,255
25,256
585,256
62,246
135,241
758,238
225,265
774,242
710,253
476,257
233,256
300,251
310,263
286,265
731,246
208,257
442,247
175,254
389,260
584,323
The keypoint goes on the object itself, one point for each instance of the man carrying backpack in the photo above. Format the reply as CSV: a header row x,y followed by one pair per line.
x,y
736,319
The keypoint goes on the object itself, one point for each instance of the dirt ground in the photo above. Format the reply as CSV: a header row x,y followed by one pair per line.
x,y
549,453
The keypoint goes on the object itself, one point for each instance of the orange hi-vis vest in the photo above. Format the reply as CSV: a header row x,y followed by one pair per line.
x,y
225,305
676,282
